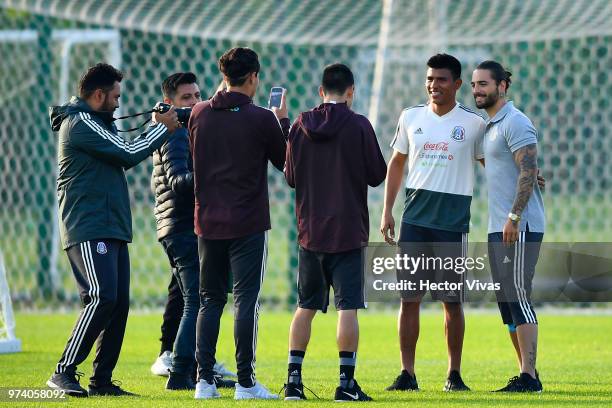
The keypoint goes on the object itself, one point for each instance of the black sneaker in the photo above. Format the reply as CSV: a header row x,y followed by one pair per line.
x,y
523,383
69,383
112,389
350,394
179,382
294,392
538,378
404,382
454,382
221,382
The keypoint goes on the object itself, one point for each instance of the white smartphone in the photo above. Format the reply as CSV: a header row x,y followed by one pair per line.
x,y
276,94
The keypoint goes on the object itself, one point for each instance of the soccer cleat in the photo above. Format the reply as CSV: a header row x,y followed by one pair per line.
x,y
454,382
180,382
351,394
221,382
512,384
69,383
204,390
217,377
162,364
294,392
257,391
112,389
220,368
522,383
404,382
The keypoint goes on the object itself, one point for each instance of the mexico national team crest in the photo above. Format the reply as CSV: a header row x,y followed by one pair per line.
x,y
458,134
101,248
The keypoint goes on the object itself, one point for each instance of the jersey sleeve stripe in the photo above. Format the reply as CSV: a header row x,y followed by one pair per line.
x,y
156,132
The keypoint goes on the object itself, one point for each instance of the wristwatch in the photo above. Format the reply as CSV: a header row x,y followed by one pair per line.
x,y
515,218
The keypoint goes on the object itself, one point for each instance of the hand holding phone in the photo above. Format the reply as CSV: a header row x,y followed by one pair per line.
x,y
276,94
277,102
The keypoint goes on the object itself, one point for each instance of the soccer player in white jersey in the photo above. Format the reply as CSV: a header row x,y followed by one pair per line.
x,y
516,214
441,141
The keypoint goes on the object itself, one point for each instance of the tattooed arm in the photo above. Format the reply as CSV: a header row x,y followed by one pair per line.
x,y
526,159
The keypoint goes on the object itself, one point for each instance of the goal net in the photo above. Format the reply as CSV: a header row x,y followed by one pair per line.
x,y
8,342
559,52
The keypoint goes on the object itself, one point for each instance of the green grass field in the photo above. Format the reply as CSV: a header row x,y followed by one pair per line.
x,y
575,360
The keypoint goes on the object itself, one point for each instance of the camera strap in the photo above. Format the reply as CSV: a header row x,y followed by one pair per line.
x,y
133,116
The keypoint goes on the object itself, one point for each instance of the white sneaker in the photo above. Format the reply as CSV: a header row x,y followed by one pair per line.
x,y
219,368
162,364
257,391
204,390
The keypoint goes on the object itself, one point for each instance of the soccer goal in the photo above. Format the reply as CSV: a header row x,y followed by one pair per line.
x,y
8,342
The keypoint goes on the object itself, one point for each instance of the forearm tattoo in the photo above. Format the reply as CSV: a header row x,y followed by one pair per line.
x,y
526,159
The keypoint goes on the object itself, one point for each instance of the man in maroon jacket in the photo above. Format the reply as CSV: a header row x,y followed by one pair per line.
x,y
332,157
232,141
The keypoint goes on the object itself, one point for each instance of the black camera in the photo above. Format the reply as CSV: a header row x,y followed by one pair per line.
x,y
182,114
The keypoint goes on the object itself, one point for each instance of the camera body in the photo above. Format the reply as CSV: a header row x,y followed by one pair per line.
x,y
182,114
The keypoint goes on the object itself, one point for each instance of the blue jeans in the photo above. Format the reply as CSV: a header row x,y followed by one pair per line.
x,y
182,251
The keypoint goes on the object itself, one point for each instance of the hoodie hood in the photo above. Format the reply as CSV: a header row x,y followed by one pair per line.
x,y
57,114
325,121
229,100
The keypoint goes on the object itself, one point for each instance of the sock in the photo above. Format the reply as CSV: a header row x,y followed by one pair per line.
x,y
348,360
296,357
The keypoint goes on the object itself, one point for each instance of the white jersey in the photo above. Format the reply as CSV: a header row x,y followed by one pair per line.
x,y
441,153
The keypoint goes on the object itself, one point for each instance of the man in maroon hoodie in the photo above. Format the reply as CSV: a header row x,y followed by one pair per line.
x,y
332,157
232,141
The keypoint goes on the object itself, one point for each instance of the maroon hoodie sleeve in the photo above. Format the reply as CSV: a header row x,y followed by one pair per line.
x,y
276,140
192,123
376,168
289,169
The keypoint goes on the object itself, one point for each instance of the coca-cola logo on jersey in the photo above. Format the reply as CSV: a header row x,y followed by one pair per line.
x,y
441,146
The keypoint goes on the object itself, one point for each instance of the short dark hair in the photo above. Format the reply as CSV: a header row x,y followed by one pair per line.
x,y
446,61
100,76
171,84
337,78
237,63
498,72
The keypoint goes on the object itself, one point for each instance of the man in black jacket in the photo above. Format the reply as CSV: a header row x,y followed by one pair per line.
x,y
172,183
96,221
172,176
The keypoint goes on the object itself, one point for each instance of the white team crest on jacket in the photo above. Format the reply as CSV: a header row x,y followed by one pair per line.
x,y
101,248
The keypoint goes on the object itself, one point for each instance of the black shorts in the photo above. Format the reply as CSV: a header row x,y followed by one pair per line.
x,y
343,271
435,247
513,267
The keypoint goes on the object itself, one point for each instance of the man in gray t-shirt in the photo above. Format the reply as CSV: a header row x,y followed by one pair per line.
x,y
509,131
516,215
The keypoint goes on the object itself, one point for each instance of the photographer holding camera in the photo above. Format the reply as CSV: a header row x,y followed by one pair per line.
x,y
96,222
172,184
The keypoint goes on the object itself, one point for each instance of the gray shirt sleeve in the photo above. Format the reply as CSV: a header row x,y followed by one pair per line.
x,y
520,132
479,142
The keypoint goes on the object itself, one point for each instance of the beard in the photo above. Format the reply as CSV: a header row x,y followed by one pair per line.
x,y
488,101
108,105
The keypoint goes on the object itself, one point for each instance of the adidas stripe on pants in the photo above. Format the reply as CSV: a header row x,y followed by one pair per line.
x,y
102,272
230,264
513,267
